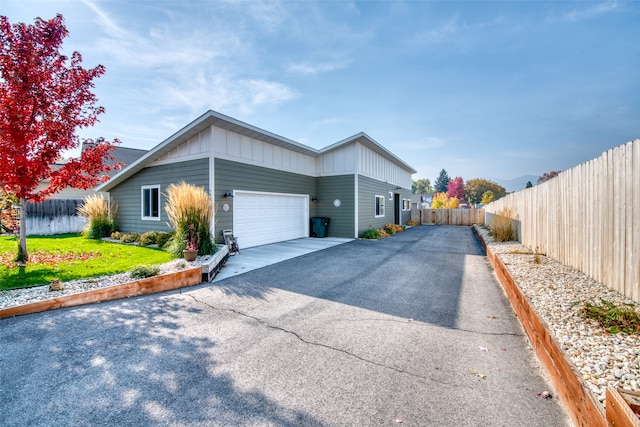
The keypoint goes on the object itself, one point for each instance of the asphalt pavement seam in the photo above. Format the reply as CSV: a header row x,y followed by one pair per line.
x,y
328,347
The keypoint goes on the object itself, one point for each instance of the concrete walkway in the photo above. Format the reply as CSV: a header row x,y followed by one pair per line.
x,y
262,256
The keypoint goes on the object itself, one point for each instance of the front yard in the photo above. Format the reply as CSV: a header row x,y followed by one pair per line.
x,y
69,257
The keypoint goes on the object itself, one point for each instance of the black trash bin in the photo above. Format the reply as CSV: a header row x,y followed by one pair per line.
x,y
320,226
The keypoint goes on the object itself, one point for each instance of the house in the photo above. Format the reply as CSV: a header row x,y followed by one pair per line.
x,y
265,187
421,201
123,155
58,214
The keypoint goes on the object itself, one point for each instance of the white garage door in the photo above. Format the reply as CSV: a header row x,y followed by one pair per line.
x,y
263,218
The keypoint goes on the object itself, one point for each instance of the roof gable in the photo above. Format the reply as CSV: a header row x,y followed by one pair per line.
x,y
213,118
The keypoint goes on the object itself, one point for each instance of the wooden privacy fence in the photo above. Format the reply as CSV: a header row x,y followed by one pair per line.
x,y
54,216
587,217
448,216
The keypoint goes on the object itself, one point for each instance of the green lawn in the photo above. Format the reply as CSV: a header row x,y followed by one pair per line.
x,y
68,257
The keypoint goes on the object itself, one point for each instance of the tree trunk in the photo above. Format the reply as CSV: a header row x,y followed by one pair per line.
x,y
23,255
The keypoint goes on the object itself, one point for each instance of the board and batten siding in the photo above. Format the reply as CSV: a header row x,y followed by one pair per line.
x,y
232,176
128,194
339,161
337,187
368,188
238,148
196,147
373,165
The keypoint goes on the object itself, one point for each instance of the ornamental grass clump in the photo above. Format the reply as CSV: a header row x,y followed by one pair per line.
x,y
502,229
190,208
98,217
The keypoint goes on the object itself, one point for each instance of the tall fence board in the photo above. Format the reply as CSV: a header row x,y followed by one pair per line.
x,y
448,216
587,217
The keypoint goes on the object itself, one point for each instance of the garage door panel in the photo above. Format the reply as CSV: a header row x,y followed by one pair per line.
x,y
263,218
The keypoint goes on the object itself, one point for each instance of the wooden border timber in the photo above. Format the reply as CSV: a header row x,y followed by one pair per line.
x,y
580,403
619,412
150,285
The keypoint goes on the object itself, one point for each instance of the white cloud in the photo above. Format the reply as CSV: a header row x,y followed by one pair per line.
x,y
309,68
592,10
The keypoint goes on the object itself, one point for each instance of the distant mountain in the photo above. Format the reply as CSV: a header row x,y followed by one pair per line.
x,y
515,184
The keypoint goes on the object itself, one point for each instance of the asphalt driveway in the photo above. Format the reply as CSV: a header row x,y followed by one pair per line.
x,y
409,330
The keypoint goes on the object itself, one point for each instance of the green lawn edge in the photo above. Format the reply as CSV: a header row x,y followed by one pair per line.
x,y
107,258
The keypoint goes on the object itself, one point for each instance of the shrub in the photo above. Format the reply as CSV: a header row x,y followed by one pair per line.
x,y
99,218
189,208
502,227
393,228
615,319
162,238
143,271
116,235
130,237
412,223
371,233
148,238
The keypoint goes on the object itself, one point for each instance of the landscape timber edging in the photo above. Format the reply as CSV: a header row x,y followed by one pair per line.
x,y
581,404
619,411
149,285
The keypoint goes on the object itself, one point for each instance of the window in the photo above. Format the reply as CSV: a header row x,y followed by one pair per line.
x,y
406,204
151,202
379,206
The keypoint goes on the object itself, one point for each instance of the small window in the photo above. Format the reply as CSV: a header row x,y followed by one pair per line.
x,y
379,206
151,202
406,204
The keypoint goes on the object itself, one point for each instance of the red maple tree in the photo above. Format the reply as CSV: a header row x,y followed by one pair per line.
x,y
455,188
44,97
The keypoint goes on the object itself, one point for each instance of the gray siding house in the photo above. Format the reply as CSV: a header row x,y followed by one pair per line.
x,y
265,187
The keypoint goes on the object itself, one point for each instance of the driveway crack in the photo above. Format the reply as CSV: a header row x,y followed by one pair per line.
x,y
328,347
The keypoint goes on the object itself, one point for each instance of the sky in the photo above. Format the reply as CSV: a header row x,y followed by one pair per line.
x,y
481,89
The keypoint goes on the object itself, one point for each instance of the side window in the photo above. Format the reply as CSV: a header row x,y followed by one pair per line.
x,y
151,202
379,206
406,204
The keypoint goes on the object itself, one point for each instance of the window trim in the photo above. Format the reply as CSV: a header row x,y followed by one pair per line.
x,y
142,203
406,205
379,213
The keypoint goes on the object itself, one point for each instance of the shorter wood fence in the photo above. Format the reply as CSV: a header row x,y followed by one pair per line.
x,y
448,216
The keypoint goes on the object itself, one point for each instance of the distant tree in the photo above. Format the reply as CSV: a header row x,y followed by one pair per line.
x,y
487,197
442,183
44,97
442,201
529,184
422,186
475,188
547,176
456,188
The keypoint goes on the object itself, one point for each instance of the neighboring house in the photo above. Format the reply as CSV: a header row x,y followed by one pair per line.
x,y
58,214
421,201
265,187
123,155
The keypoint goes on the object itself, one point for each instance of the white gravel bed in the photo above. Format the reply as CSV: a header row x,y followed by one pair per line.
x,y
557,293
40,293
